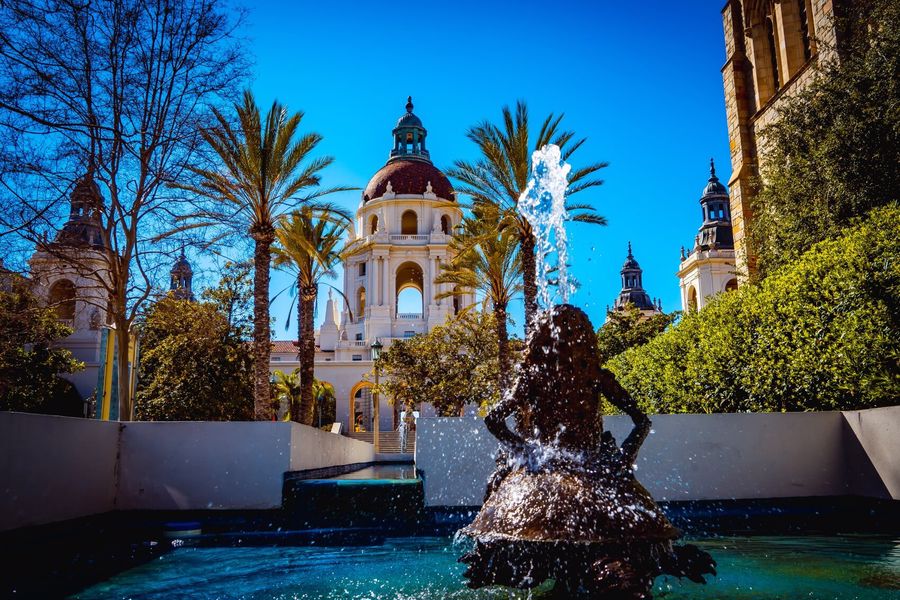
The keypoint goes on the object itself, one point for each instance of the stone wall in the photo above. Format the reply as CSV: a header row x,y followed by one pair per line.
x,y
702,457
752,96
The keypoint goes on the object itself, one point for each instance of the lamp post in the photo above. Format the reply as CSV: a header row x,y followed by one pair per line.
x,y
376,353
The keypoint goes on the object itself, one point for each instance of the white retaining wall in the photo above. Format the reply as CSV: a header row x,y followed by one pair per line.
x,y
57,468
701,457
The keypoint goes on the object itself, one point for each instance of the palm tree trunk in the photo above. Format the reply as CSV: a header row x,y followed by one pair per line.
x,y
307,408
502,347
262,343
529,278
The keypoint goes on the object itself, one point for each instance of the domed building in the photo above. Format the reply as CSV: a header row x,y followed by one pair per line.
x,y
709,267
64,274
633,292
405,217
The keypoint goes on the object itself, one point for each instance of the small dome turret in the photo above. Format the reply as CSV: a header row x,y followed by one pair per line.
x,y
715,232
633,286
182,278
83,229
409,137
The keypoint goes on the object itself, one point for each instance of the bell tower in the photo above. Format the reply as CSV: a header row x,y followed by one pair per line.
x,y
181,278
709,267
633,292
69,274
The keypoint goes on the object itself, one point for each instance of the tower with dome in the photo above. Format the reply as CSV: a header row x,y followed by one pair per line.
x,y
405,216
709,267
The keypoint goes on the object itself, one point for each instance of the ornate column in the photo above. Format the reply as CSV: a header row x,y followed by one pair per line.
x,y
385,282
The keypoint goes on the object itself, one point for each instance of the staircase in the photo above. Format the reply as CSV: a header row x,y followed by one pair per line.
x,y
389,440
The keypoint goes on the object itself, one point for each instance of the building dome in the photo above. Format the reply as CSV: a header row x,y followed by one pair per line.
x,y
633,292
409,177
630,261
409,169
714,187
83,229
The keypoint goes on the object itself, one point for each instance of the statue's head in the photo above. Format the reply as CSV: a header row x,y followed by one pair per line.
x,y
559,378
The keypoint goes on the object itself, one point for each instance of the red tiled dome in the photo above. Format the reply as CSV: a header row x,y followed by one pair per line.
x,y
409,177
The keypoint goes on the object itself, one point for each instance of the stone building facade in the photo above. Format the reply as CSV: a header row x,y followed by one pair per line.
x,y
769,46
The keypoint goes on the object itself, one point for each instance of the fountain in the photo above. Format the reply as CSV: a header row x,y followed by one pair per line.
x,y
564,503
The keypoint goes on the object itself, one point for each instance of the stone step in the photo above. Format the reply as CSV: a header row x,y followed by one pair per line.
x,y
389,441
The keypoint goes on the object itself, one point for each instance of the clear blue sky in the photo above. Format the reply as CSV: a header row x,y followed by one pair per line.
x,y
641,81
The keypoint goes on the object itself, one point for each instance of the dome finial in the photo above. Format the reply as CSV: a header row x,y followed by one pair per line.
x,y
629,250
409,104
712,168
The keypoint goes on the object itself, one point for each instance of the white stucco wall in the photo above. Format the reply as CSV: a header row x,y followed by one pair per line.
x,y
695,457
313,448
878,432
55,468
202,465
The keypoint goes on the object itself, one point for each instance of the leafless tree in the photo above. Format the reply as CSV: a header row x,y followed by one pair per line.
x,y
117,91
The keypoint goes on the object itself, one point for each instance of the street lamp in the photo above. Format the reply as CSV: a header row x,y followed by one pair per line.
x,y
376,353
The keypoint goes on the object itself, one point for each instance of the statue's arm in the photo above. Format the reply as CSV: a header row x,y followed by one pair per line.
x,y
496,422
621,399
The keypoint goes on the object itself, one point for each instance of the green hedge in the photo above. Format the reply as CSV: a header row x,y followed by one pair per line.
x,y
820,334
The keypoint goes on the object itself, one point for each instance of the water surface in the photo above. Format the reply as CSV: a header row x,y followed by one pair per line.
x,y
758,568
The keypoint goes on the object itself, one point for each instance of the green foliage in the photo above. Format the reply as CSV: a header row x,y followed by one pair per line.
x,y
454,365
629,328
233,296
326,403
194,365
833,153
286,390
821,334
29,363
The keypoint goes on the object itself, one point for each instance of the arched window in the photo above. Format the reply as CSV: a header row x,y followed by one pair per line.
x,y
410,286
62,299
409,223
805,27
457,300
373,224
445,224
361,408
773,52
731,285
361,303
692,298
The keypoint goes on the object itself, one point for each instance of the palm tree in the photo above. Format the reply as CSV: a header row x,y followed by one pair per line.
x,y
486,260
287,385
500,176
309,242
265,166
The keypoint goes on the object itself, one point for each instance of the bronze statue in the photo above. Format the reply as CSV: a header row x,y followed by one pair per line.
x,y
563,503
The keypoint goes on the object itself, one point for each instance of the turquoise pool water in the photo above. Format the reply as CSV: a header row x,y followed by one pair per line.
x,y
758,568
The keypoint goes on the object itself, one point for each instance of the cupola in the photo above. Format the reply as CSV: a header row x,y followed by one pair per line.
x,y
84,227
715,232
181,278
409,171
633,286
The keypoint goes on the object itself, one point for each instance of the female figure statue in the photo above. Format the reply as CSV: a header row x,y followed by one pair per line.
x,y
564,503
